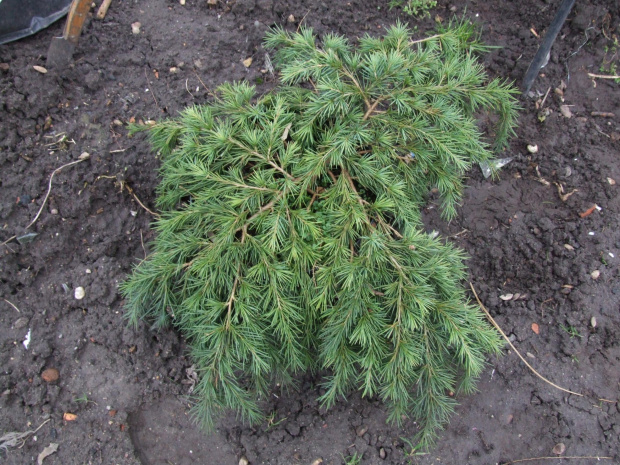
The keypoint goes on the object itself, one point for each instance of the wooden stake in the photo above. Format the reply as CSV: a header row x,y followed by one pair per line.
x,y
103,9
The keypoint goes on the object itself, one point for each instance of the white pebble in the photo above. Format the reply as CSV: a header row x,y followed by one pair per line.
x,y
79,293
611,255
595,274
591,233
532,148
593,321
135,27
27,339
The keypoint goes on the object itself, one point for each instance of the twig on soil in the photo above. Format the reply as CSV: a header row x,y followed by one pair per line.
x,y
103,9
494,323
604,114
146,76
486,312
555,458
130,190
8,240
603,76
12,305
18,440
542,104
84,156
187,88
142,242
203,84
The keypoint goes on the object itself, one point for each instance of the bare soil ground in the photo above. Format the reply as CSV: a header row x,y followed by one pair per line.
x,y
127,388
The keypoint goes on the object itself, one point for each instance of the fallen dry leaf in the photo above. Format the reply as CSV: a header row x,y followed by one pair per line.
x,y
535,328
69,416
561,193
49,450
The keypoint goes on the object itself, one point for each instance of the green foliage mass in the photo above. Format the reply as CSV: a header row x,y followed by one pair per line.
x,y
290,235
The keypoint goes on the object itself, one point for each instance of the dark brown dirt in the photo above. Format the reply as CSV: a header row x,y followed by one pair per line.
x,y
128,387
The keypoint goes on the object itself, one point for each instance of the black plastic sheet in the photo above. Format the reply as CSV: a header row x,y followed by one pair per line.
x,y
21,18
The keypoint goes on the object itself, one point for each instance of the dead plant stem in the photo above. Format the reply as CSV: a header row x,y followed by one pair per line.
x,y
557,458
12,305
49,187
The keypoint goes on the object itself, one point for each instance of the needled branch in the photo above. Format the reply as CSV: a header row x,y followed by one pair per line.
x,y
289,241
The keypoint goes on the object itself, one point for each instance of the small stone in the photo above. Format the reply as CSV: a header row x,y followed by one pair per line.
x,y
291,19
569,247
611,181
54,211
593,321
506,297
247,62
243,460
559,448
79,293
182,2
532,148
4,67
382,453
212,2
20,323
565,110
40,69
361,430
595,274
174,70
318,461
530,355
453,9
135,27
568,171
512,338
50,375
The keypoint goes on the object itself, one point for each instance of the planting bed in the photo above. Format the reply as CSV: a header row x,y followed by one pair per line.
x,y
556,255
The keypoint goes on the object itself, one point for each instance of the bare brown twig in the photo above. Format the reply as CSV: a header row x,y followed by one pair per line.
x,y
531,459
494,323
84,156
12,305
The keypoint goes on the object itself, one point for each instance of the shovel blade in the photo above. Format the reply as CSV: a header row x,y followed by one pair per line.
x,y
60,53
